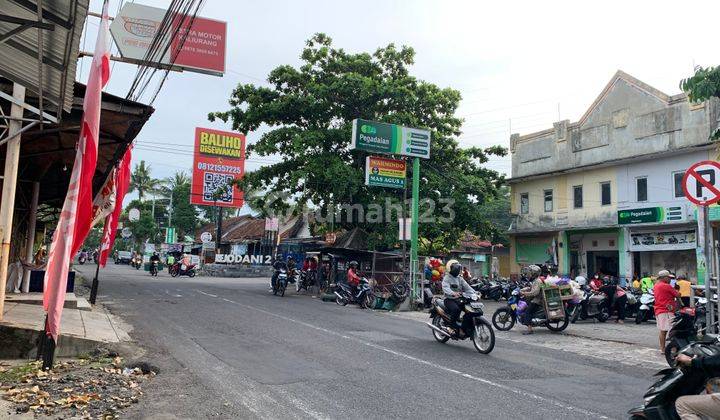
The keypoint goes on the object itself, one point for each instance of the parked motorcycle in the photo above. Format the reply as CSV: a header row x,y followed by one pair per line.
x,y
659,400
307,279
364,296
176,270
505,317
471,323
488,290
594,305
633,303
688,326
646,310
82,259
154,268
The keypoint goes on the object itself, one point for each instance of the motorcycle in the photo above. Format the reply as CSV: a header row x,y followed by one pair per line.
x,y
471,325
488,290
659,400
176,270
364,296
82,259
633,303
594,305
687,327
646,310
136,262
307,279
154,268
281,282
505,317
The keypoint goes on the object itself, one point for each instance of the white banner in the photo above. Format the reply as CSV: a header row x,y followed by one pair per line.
x,y
663,241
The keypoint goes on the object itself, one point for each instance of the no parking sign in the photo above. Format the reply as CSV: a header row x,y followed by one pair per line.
x,y
701,183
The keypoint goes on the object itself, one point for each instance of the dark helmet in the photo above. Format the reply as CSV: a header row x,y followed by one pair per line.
x,y
353,264
455,269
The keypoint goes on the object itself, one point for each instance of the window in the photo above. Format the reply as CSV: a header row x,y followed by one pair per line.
x,y
577,197
678,184
548,197
605,196
524,203
641,188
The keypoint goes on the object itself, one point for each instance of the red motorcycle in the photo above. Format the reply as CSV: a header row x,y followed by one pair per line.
x,y
176,270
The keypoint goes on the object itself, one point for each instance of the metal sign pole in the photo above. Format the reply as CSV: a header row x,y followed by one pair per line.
x,y
414,226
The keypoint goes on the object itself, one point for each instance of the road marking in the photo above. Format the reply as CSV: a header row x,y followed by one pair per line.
x,y
206,294
508,388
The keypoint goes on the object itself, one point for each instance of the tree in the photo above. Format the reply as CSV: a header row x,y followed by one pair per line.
x,y
703,85
141,181
184,214
310,110
497,211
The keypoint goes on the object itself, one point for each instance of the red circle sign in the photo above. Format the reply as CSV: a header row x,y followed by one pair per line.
x,y
701,183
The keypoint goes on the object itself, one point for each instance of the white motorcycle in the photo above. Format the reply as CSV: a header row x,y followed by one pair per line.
x,y
646,311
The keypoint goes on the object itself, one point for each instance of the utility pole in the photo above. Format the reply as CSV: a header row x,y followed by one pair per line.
x,y
414,227
7,205
219,228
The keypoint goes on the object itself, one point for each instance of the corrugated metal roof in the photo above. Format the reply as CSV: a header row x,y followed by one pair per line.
x,y
18,54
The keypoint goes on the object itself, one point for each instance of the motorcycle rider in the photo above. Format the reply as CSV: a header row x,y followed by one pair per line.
x,y
170,261
278,265
155,258
453,286
534,294
353,279
696,407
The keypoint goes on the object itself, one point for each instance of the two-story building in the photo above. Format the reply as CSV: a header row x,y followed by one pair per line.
x,y
604,194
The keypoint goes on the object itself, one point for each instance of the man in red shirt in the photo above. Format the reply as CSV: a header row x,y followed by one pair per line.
x,y
353,278
666,298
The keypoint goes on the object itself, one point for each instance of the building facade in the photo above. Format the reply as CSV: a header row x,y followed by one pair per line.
x,y
604,194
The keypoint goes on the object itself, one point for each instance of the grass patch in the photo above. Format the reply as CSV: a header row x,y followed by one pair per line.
x,y
16,373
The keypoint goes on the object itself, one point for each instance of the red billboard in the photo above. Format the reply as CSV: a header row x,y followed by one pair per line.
x,y
204,46
218,160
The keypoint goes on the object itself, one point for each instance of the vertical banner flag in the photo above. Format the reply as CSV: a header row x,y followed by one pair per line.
x,y
218,160
104,202
122,183
76,215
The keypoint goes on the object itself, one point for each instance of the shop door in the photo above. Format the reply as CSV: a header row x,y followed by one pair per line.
x,y
606,262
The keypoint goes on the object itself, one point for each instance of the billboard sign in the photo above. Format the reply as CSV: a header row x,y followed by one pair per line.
x,y
383,172
134,29
218,160
377,137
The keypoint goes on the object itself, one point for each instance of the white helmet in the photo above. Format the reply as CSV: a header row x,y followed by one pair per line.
x,y
582,281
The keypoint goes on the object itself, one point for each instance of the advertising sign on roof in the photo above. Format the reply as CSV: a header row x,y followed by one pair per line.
x,y
135,27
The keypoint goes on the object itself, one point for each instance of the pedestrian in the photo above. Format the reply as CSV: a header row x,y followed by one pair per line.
x,y
685,288
665,303
620,303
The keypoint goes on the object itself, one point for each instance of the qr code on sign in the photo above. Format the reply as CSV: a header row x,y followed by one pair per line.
x,y
220,184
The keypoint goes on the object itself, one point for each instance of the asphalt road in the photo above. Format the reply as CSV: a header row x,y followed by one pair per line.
x,y
228,348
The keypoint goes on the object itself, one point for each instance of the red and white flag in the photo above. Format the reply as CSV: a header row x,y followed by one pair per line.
x,y
104,203
76,215
122,182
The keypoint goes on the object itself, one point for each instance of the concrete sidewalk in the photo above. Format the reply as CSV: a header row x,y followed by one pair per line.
x,y
80,330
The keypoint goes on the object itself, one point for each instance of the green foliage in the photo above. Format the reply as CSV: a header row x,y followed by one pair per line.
x,y
310,109
94,238
703,85
142,182
184,217
497,211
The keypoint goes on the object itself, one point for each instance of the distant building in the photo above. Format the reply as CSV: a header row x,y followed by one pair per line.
x,y
604,194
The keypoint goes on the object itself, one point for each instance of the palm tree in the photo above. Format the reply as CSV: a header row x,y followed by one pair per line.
x,y
141,181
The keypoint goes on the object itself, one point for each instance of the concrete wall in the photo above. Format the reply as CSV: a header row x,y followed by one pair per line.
x,y
629,119
659,173
592,214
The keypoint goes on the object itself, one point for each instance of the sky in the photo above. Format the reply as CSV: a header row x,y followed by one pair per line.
x,y
519,65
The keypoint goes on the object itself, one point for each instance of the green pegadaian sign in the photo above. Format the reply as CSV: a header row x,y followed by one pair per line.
x,y
378,137
650,215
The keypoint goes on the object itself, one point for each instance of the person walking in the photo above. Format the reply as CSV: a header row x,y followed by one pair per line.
x,y
666,298
685,288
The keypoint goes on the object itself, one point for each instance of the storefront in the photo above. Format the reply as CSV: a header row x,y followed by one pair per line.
x,y
533,249
593,252
664,248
